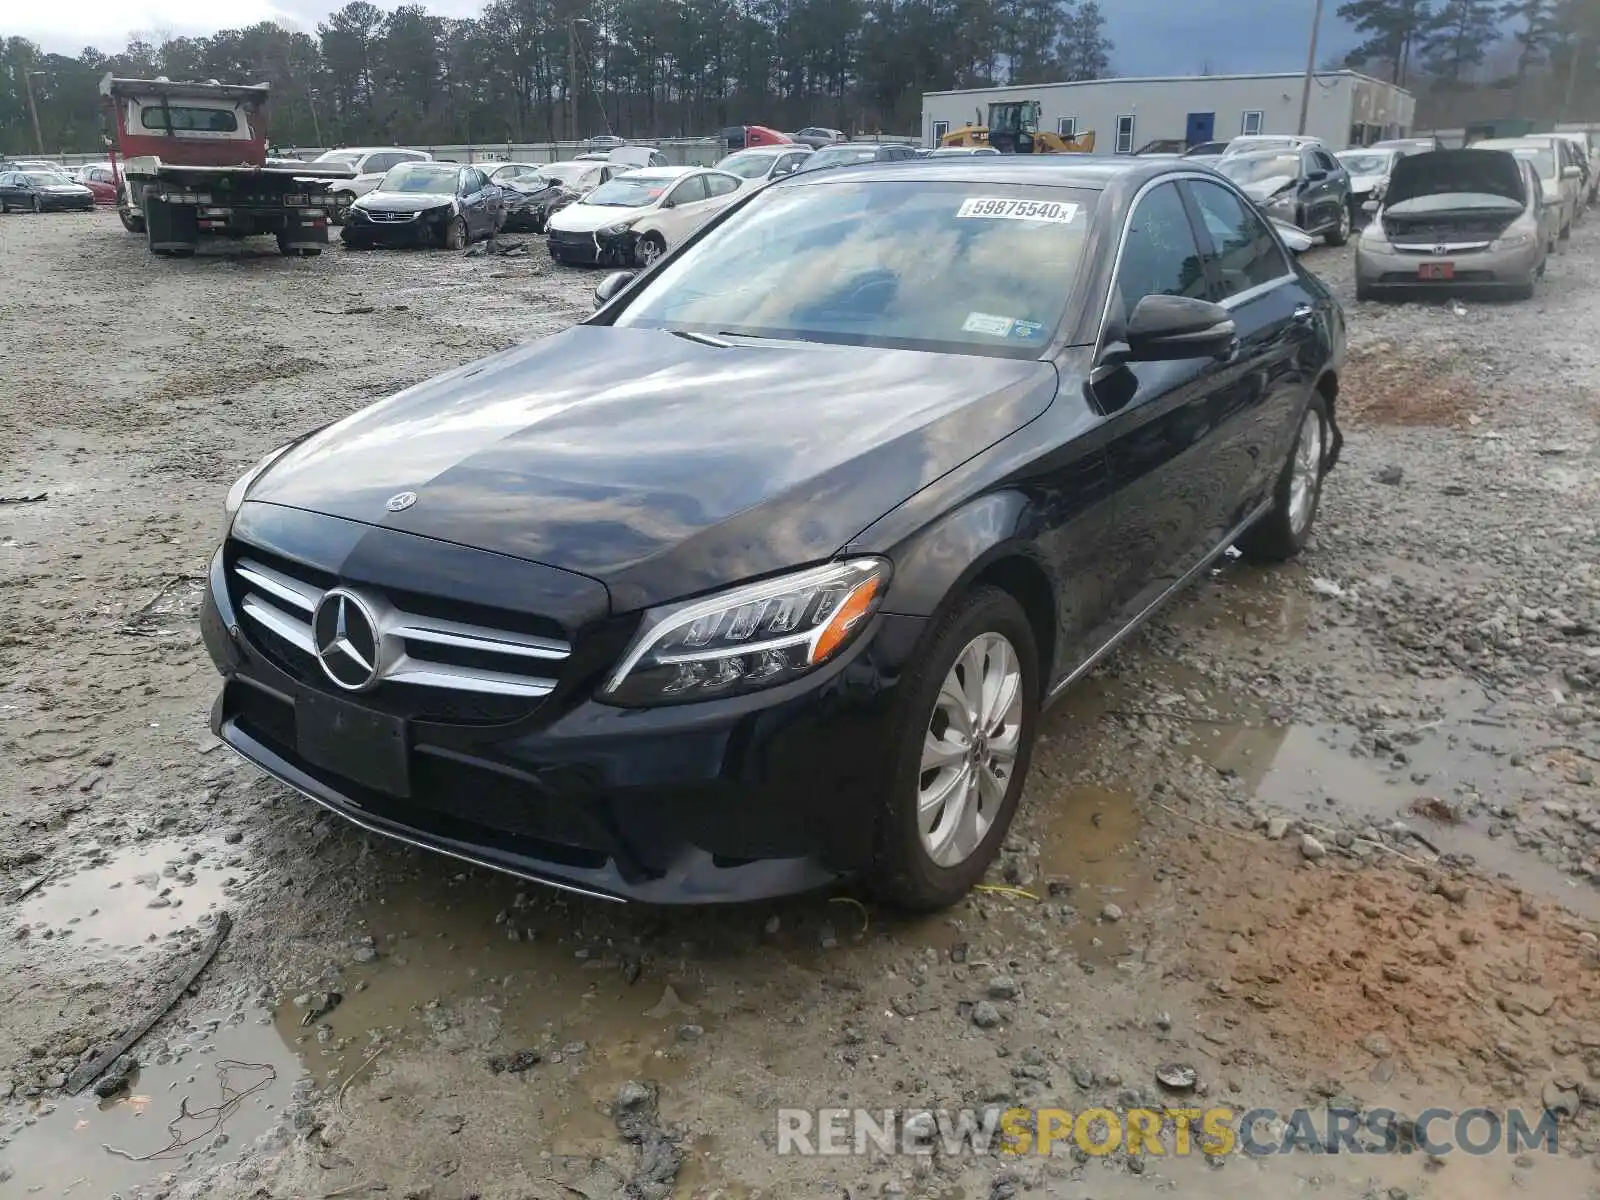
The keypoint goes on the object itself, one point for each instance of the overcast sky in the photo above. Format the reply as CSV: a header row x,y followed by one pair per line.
x,y
1153,37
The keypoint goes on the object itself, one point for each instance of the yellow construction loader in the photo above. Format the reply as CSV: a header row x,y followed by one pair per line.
x,y
1013,128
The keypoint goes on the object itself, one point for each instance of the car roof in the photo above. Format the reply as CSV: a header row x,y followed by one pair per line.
x,y
1091,171
663,172
786,148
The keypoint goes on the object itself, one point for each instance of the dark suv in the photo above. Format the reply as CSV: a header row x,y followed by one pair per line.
x,y
1305,187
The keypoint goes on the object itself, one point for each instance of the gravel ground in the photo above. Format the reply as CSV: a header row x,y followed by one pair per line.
x,y
1398,733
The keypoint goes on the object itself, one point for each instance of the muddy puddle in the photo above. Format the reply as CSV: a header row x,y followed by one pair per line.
x,y
205,1095
125,897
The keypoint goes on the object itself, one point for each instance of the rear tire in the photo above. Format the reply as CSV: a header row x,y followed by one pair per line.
x,y
1286,528
132,221
989,636
1340,233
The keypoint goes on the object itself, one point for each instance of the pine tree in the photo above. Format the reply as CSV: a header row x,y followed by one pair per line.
x,y
1393,29
1455,41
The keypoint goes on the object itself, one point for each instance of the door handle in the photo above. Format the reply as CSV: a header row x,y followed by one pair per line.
x,y
1303,314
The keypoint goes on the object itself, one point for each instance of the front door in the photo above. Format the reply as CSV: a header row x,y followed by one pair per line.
x,y
1160,416
1199,128
1271,372
683,209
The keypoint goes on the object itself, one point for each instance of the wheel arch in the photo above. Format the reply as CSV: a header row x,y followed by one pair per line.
x,y
985,542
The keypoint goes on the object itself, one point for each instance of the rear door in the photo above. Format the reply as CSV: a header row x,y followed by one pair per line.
x,y
1276,318
721,189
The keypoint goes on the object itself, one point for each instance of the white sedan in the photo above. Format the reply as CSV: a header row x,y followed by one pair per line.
x,y
638,217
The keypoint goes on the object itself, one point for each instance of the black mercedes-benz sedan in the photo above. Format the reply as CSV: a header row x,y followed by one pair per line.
x,y
761,576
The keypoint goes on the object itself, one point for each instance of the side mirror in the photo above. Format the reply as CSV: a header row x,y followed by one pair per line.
x,y
1571,172
1371,206
611,285
1316,176
1170,328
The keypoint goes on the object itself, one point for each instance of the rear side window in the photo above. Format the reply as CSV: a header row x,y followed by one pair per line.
x,y
721,185
1160,256
1243,247
190,120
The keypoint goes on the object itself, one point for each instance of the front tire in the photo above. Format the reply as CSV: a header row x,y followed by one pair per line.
x,y
455,234
651,248
1286,528
38,207
964,731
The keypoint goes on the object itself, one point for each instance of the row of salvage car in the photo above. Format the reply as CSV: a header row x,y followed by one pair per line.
x,y
1485,218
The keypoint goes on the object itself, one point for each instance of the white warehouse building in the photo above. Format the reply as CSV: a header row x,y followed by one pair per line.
x,y
1346,108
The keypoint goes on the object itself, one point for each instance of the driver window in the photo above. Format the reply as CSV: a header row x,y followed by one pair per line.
x,y
1159,256
689,191
1243,248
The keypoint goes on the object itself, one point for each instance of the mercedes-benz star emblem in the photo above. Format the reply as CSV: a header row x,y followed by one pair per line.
x,y
345,634
400,501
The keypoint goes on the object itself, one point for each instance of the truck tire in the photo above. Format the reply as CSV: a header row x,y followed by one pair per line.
x,y
132,221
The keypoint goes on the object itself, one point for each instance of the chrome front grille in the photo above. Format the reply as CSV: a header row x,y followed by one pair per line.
x,y
389,218
408,648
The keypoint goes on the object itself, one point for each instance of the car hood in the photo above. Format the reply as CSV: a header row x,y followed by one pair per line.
x,y
660,465
404,201
586,218
1365,183
1265,189
63,189
1488,172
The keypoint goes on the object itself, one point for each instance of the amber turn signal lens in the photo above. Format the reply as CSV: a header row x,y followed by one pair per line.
x,y
837,631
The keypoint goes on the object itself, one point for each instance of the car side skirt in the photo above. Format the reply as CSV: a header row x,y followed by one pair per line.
x,y
1155,606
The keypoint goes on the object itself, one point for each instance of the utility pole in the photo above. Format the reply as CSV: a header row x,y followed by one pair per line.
x,y
316,125
1572,79
33,109
1311,67
572,75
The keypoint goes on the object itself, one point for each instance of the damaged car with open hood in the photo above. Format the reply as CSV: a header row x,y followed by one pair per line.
x,y
1303,186
1460,220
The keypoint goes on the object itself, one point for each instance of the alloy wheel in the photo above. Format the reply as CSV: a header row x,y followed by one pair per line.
x,y
1344,220
649,251
38,205
1307,471
969,750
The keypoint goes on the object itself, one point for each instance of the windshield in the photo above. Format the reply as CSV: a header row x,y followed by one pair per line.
x,y
338,156
629,191
47,178
1255,168
747,164
966,267
564,172
1365,163
521,171
837,156
420,177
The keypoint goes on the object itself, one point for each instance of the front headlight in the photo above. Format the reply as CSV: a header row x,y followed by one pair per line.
x,y
754,636
1282,203
241,486
617,230
1511,241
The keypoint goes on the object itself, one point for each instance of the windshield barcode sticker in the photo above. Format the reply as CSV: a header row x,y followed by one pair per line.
x,y
1017,210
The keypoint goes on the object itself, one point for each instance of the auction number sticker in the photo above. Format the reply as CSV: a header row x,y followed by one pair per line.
x,y
1001,208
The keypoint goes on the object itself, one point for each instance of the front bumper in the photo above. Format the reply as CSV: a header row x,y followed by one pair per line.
x,y
593,249
426,229
1392,269
726,800
51,203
